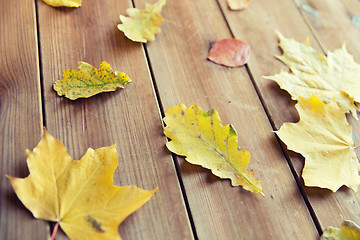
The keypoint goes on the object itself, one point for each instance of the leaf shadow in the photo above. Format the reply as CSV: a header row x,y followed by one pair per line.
x,y
15,204
284,103
65,10
120,42
323,193
100,98
316,192
187,169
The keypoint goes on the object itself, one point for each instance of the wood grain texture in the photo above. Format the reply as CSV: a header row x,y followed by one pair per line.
x,y
130,117
183,75
284,16
20,113
333,25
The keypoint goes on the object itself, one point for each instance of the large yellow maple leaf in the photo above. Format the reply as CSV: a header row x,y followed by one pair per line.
x,y
88,81
336,76
204,141
79,195
142,24
63,3
323,137
348,231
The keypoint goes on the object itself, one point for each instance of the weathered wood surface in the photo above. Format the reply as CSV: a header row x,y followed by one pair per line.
x,y
219,210
173,69
328,27
129,117
20,113
335,24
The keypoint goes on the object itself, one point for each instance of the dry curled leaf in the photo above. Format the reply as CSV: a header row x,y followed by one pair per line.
x,y
63,3
88,81
333,77
79,195
323,137
348,231
238,4
230,52
142,24
204,141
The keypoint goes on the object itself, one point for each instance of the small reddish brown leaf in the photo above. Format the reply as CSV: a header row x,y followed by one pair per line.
x,y
230,52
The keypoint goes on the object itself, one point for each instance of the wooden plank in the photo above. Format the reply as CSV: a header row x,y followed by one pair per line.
x,y
129,117
333,25
20,113
284,16
183,75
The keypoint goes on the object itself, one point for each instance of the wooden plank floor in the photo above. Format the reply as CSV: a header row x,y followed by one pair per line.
x,y
38,42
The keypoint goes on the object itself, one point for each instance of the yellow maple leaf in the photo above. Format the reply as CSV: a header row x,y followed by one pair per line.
x,y
323,137
142,25
238,4
348,231
88,81
333,77
79,195
63,3
204,141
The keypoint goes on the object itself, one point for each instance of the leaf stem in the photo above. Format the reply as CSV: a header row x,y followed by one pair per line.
x,y
54,231
356,147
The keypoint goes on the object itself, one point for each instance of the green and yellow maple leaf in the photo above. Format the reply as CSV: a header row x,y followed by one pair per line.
x,y
142,24
79,195
63,3
323,137
348,231
333,77
204,141
88,81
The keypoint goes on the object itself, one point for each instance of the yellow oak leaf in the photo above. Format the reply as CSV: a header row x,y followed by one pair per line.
x,y
348,231
79,195
142,24
88,81
333,77
204,141
63,3
323,137
238,4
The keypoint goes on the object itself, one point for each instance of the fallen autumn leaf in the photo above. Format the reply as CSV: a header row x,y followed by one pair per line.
x,y
79,195
142,24
88,81
204,141
230,52
323,137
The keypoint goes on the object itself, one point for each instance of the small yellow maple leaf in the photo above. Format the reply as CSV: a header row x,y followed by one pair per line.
x,y
333,77
238,4
323,137
63,3
204,141
348,231
79,195
88,81
142,25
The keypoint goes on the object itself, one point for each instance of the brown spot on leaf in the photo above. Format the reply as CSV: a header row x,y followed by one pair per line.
x,y
95,224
